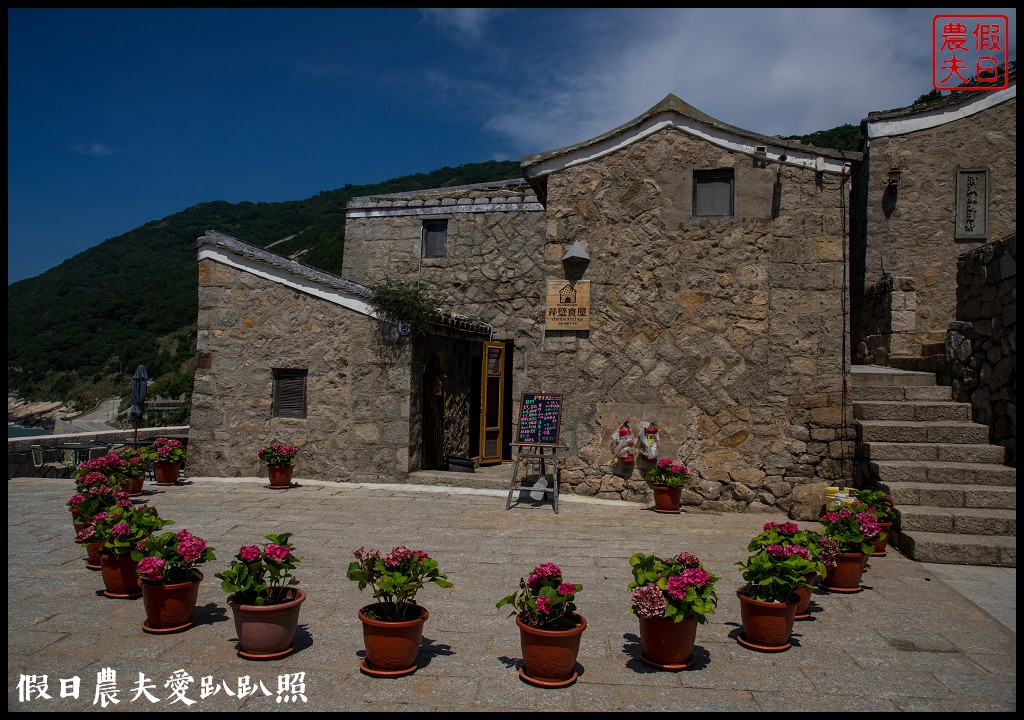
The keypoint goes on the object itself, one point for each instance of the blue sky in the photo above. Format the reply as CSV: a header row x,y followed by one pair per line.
x,y
120,117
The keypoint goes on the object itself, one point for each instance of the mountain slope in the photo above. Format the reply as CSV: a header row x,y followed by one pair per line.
x,y
78,331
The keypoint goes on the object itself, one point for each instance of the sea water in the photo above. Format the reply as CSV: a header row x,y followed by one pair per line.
x,y
16,431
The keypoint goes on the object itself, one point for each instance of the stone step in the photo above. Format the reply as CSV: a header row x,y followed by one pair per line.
x,y
957,549
943,452
965,521
917,410
934,348
929,364
937,393
938,472
933,431
951,496
867,375
488,478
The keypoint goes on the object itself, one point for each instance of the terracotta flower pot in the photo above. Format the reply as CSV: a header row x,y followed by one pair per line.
x,y
882,540
666,499
171,607
267,632
136,484
804,598
766,626
119,576
92,552
667,645
846,575
280,476
166,473
391,647
549,656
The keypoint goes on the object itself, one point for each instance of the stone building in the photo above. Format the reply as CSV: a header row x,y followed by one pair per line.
x,y
938,181
675,270
710,263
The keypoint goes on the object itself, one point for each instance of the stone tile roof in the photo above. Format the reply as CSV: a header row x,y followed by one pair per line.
x,y
449,320
479,197
672,104
953,99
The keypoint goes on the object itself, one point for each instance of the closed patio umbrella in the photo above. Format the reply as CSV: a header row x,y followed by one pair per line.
x,y
139,387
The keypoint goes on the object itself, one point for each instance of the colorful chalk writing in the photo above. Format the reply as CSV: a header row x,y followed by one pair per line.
x,y
539,418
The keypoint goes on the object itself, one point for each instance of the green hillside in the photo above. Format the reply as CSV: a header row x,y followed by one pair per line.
x,y
78,331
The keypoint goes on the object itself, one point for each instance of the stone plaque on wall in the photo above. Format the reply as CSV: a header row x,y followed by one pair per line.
x,y
568,305
971,204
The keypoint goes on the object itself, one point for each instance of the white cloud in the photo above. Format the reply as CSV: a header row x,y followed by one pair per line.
x,y
93,149
460,23
774,72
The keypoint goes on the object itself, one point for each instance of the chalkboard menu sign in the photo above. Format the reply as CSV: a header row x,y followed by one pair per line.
x,y
539,416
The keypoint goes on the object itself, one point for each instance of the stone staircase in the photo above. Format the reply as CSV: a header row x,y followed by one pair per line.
x,y
956,501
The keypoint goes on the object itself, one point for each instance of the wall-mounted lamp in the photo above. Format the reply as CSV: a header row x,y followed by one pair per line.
x,y
894,176
575,261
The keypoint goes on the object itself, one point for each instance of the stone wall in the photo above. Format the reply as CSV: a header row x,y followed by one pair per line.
x,y
357,426
729,331
981,347
910,232
890,314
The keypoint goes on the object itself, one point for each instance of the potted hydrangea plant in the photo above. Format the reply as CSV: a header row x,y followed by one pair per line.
x,y
166,455
550,629
170,579
123,530
135,468
854,529
884,510
263,599
670,596
280,461
788,534
768,599
667,479
393,625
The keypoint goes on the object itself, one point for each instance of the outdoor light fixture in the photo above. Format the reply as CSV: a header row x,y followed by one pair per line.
x,y
575,261
894,176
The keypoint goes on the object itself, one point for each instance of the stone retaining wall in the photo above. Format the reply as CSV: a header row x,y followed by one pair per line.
x,y
981,346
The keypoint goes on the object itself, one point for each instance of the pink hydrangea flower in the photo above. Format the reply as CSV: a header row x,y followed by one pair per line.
x,y
788,528
397,556
542,573
543,604
687,560
152,568
697,577
76,499
675,587
120,529
278,553
249,553
566,588
192,548
183,535
648,601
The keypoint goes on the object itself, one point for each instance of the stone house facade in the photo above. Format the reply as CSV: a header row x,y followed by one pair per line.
x,y
939,180
725,276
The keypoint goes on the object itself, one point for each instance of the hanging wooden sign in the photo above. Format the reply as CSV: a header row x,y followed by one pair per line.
x,y
568,305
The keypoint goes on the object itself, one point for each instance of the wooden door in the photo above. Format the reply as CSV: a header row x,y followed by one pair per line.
x,y
492,398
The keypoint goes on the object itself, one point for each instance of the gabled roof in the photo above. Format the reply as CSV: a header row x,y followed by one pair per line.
x,y
673,112
958,104
309,280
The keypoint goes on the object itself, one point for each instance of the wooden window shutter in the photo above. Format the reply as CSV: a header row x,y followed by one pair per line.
x,y
290,393
712,192
435,238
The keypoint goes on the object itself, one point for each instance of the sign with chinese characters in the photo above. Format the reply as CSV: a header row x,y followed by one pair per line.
x,y
970,48
971,205
568,305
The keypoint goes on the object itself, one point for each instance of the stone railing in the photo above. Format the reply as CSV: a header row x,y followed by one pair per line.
x,y
19,450
981,346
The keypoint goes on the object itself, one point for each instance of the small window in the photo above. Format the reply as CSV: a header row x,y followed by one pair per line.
x,y
435,238
712,192
290,393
